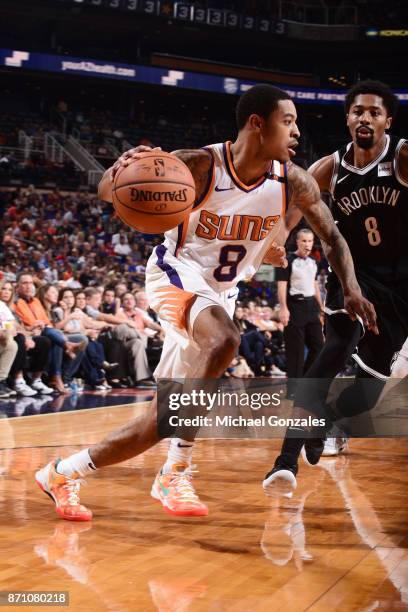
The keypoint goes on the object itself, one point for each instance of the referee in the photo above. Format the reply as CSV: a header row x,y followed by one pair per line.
x,y
300,309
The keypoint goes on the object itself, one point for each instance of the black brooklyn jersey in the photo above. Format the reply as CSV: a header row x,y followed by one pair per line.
x,y
371,209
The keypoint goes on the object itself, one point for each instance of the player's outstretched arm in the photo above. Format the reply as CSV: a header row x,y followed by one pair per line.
x,y
305,195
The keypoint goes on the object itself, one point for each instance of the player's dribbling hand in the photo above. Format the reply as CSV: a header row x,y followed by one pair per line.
x,y
357,305
128,156
276,256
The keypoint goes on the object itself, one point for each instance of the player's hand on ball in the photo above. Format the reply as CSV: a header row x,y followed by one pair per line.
x,y
357,306
276,256
127,157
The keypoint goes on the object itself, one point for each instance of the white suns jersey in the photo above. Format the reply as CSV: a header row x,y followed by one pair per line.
x,y
233,225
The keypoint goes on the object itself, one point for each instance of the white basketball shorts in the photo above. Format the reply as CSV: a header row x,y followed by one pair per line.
x,y
177,293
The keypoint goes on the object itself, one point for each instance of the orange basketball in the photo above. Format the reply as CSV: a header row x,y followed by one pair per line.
x,y
154,193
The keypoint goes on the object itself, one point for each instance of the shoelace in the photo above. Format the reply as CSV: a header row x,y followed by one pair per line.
x,y
183,485
72,487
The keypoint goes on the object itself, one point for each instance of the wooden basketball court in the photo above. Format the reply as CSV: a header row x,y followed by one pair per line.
x,y
340,543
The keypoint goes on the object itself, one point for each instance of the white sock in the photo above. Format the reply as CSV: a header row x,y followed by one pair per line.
x,y
19,380
79,463
180,451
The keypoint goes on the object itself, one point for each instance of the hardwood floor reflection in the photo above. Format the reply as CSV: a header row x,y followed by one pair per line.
x,y
341,541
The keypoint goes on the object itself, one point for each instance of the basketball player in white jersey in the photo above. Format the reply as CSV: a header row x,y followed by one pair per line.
x,y
243,190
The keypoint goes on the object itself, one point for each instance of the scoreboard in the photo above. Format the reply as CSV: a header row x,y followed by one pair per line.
x,y
181,11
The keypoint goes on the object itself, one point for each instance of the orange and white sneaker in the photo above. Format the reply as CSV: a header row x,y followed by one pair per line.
x,y
64,492
176,493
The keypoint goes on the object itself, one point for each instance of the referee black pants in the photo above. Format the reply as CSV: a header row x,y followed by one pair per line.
x,y
303,330
34,359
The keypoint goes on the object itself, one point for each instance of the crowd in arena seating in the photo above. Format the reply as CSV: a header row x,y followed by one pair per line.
x,y
38,170
25,162
144,125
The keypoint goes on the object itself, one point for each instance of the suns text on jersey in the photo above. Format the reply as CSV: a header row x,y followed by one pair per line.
x,y
366,196
236,227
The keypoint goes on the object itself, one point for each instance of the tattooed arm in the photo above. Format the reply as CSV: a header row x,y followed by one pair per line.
x,y
305,195
198,161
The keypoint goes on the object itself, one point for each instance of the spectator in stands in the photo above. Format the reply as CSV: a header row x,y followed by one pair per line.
x,y
32,315
122,247
252,345
110,303
152,328
117,236
48,296
144,324
8,349
115,352
154,333
135,254
120,289
71,319
126,331
51,273
31,351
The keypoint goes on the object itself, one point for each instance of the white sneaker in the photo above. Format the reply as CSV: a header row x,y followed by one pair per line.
x,y
39,386
24,390
100,388
277,372
334,446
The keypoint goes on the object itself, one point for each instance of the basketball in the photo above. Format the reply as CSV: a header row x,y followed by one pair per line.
x,y
154,193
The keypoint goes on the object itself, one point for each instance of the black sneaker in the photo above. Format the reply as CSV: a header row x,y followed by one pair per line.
x,y
313,450
281,479
4,390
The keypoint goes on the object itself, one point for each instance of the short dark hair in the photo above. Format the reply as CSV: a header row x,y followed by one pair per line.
x,y
377,88
260,100
21,274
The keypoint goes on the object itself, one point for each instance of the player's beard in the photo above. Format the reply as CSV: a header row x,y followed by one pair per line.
x,y
365,143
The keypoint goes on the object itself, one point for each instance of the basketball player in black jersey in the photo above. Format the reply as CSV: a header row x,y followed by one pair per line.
x,y
368,182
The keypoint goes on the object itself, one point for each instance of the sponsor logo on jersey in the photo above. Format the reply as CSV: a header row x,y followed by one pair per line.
x,y
223,188
385,169
236,227
145,195
368,195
